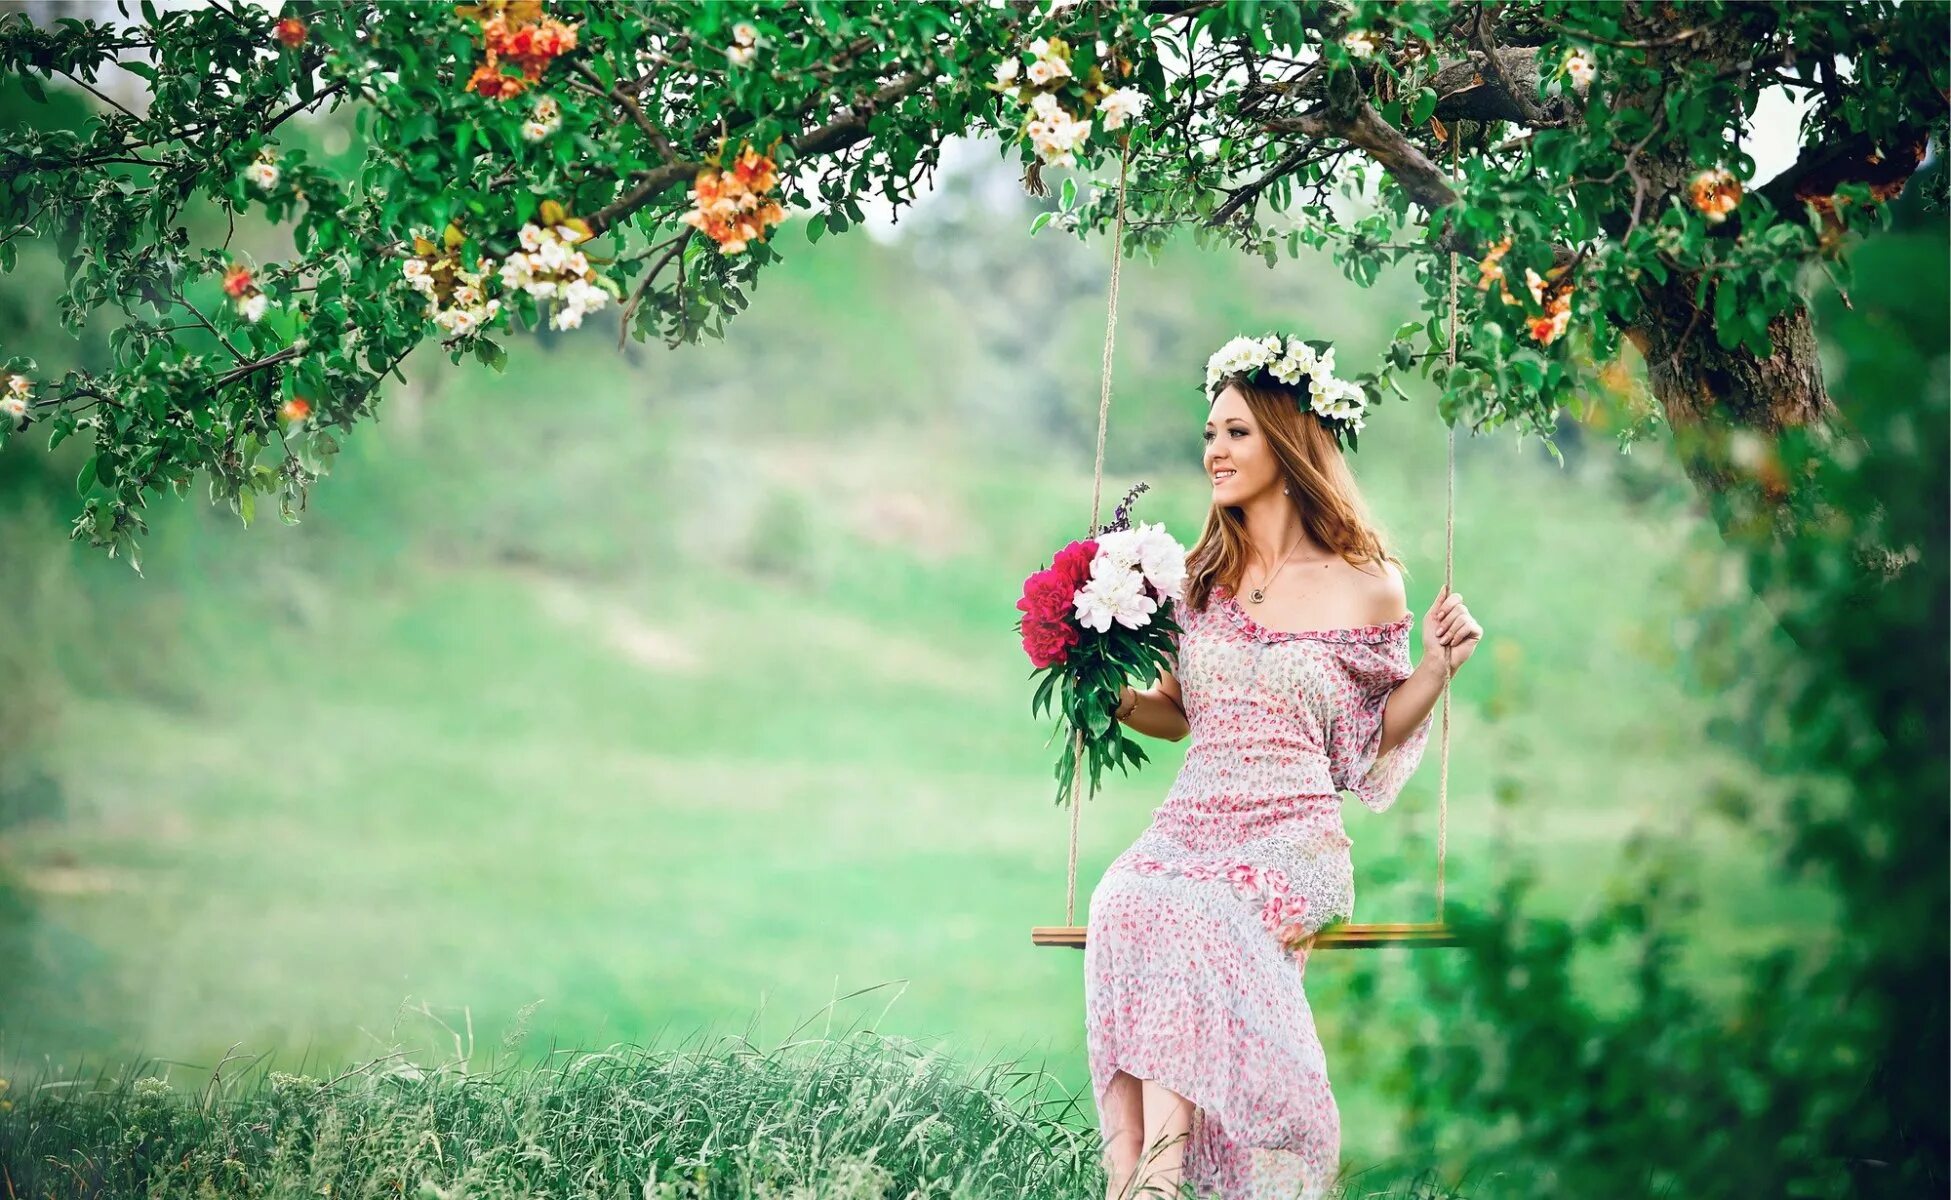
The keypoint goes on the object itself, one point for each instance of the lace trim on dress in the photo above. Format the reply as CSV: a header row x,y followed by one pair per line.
x,y
1345,633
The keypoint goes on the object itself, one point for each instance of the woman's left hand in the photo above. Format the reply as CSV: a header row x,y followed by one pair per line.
x,y
1449,623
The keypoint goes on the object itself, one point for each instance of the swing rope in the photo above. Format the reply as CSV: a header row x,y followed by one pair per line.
x,y
1097,491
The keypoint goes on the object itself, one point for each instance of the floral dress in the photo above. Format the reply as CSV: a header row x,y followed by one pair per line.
x,y
1186,980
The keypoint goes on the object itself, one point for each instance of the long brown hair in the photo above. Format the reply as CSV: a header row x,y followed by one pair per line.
x,y
1319,485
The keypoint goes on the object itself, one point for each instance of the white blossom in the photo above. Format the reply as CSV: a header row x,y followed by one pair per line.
x,y
254,306
1579,65
1121,105
263,173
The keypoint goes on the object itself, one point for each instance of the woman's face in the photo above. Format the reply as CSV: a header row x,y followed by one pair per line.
x,y
1238,459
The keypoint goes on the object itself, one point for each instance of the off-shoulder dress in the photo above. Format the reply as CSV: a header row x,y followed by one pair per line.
x,y
1186,979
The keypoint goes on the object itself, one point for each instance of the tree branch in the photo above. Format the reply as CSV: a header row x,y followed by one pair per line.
x,y
836,135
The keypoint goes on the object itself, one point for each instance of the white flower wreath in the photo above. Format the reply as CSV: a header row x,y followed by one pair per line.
x,y
1340,403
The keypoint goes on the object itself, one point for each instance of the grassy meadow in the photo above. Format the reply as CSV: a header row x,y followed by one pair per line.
x,y
642,696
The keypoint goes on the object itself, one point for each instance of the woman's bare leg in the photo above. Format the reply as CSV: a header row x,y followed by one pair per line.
x,y
1168,1127
1124,1120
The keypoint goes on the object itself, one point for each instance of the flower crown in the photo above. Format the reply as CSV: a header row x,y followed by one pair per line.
x,y
1339,403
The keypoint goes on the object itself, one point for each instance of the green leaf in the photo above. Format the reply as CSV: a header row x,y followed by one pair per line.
x,y
1424,106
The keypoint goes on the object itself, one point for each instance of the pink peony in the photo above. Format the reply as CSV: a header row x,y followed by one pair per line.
x,y
1047,603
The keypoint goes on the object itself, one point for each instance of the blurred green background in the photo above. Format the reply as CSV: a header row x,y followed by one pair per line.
x,y
642,694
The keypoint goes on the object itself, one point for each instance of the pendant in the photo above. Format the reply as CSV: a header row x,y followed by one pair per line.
x,y
1256,595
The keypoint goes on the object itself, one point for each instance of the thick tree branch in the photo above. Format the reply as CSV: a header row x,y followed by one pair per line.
x,y
1821,169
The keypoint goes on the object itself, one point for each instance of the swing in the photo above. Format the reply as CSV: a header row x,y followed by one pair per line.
x,y
1414,934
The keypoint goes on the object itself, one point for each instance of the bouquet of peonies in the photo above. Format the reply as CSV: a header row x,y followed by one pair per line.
x,y
1098,617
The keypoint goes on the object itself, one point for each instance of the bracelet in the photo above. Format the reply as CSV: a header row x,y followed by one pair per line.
x,y
1120,710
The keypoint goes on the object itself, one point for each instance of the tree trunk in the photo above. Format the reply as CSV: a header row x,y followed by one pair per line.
x,y
1727,409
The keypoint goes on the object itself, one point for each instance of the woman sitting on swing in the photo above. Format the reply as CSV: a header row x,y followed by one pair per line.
x,y
1292,674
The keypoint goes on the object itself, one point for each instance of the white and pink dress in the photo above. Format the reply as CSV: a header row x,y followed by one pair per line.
x,y
1186,980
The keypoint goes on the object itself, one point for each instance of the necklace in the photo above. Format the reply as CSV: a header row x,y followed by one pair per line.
x,y
1256,595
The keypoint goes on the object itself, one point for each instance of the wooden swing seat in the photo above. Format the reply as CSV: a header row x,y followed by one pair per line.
x,y
1414,934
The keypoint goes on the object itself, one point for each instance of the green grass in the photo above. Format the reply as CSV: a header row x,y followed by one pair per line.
x,y
826,1113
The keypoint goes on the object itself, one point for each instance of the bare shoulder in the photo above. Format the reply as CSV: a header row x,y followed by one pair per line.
x,y
1379,591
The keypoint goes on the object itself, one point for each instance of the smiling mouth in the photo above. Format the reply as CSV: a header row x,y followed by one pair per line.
x,y
1222,476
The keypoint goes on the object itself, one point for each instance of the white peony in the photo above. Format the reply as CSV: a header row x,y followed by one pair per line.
x,y
1117,597
1117,552
1162,560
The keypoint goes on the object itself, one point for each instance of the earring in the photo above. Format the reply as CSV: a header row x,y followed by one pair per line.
x,y
1283,489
